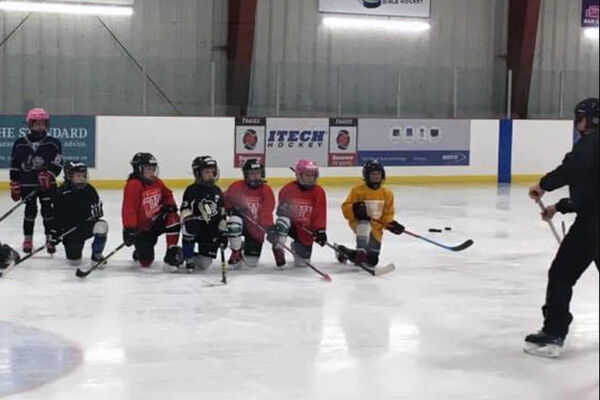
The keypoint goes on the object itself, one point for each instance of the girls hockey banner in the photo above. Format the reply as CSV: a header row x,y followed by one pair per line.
x,y
394,8
76,133
414,142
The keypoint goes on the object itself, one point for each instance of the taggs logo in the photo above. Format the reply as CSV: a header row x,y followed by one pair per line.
x,y
250,139
343,139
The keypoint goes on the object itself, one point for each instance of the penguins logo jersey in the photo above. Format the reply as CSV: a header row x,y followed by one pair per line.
x,y
206,206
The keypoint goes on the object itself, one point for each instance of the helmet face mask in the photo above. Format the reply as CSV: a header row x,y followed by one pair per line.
x,y
254,173
38,121
76,175
307,173
373,174
206,170
145,167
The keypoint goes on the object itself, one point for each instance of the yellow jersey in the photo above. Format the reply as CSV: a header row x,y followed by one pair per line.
x,y
379,202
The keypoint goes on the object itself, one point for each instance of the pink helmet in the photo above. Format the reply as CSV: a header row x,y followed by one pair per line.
x,y
37,114
303,166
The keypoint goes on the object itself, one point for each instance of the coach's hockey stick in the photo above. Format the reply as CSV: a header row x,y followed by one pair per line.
x,y
16,206
464,245
289,250
550,223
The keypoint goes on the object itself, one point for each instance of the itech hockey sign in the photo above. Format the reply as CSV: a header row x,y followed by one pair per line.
x,y
394,8
290,139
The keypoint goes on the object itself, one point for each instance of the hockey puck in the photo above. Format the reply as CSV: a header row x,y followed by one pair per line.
x,y
433,230
448,228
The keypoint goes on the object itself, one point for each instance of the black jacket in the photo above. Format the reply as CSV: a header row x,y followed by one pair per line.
x,y
579,170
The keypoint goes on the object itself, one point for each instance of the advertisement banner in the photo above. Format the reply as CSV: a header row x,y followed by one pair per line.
x,y
589,13
249,140
291,139
76,133
343,142
394,8
414,142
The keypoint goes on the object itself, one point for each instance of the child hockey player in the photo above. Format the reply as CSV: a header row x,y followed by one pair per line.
x,y
149,210
249,198
77,204
203,215
302,204
36,162
367,200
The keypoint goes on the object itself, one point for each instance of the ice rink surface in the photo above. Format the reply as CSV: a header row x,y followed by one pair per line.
x,y
442,326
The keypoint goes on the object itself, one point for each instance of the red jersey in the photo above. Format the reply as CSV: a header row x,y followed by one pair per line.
x,y
307,208
260,202
142,202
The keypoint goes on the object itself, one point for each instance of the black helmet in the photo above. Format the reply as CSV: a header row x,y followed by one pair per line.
x,y
253,164
70,168
139,161
201,163
590,109
372,166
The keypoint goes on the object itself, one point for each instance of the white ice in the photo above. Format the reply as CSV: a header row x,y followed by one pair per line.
x,y
442,326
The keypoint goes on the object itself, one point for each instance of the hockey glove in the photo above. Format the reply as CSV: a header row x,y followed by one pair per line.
x,y
395,227
96,210
129,235
15,191
360,211
45,180
320,237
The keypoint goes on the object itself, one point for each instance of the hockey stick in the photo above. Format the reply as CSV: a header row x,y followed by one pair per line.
x,y
550,223
289,250
82,274
375,271
464,245
19,204
224,267
42,247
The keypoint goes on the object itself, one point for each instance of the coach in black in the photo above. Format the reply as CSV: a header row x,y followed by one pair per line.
x,y
579,170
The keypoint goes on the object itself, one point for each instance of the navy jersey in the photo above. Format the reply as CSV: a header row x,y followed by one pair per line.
x,y
206,204
28,158
73,207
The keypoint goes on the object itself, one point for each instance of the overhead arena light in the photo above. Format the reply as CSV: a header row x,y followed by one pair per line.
x,y
353,23
78,7
591,33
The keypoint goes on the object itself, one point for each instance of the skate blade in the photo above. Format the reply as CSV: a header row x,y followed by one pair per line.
x,y
547,351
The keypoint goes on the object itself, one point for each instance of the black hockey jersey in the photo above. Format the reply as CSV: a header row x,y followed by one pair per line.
x,y
206,207
72,207
28,158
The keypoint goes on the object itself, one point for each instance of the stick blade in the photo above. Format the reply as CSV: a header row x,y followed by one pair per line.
x,y
82,274
386,269
326,277
465,245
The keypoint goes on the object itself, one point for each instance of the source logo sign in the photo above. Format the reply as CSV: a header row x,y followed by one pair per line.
x,y
77,135
399,142
343,134
395,8
291,139
249,140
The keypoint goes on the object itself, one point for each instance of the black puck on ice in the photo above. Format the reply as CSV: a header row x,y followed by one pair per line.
x,y
433,230
448,228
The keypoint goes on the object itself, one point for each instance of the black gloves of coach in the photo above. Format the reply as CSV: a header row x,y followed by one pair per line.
x,y
320,237
129,235
395,227
360,211
54,237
